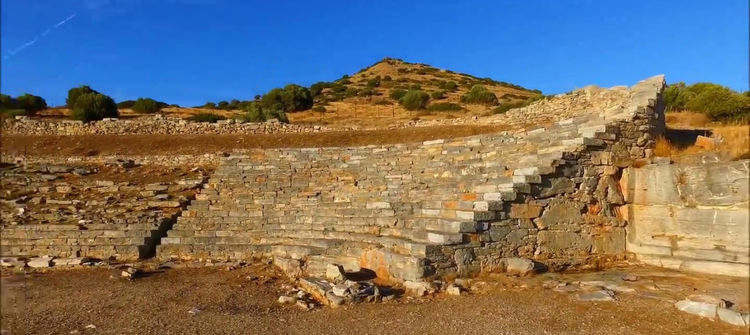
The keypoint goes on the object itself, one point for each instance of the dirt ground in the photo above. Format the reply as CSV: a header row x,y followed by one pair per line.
x,y
62,302
89,145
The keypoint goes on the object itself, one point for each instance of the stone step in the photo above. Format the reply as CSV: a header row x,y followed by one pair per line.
x,y
32,234
120,252
73,240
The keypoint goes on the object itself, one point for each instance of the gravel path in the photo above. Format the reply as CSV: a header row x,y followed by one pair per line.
x,y
61,302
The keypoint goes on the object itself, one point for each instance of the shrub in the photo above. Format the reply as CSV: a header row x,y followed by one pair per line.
x,y
209,105
414,100
506,106
317,88
256,112
367,92
444,106
388,78
76,92
27,104
479,95
374,82
448,86
718,102
222,104
721,103
125,104
351,92
206,117
319,109
291,98
439,94
397,93
415,87
146,106
93,106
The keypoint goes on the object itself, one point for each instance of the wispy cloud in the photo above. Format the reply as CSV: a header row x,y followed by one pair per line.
x,y
36,38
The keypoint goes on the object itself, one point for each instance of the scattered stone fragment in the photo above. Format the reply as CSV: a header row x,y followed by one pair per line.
x,y
629,277
91,326
12,262
335,272
418,288
40,262
600,295
703,309
194,311
130,273
453,289
304,305
730,316
287,300
519,266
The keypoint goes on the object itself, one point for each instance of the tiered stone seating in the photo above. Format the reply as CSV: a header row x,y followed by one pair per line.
x,y
413,210
52,211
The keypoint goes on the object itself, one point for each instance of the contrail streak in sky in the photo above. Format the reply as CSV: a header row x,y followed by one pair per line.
x,y
36,38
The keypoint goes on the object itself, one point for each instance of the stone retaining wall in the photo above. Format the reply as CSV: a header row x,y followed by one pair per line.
x,y
434,208
691,217
154,124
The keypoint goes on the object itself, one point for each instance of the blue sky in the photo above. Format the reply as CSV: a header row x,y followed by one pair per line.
x,y
191,51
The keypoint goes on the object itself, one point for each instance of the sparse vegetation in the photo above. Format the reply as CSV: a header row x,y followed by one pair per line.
x,y
444,106
479,95
439,94
206,117
319,109
397,93
414,100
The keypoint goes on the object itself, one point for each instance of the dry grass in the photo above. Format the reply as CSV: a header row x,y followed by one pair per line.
x,y
682,137
687,119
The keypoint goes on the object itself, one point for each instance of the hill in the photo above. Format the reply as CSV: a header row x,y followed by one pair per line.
x,y
367,98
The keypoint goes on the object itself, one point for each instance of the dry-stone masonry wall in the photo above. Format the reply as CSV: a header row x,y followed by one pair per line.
x,y
75,211
691,217
154,124
414,210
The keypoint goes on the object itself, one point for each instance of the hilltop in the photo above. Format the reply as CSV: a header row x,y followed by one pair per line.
x,y
370,97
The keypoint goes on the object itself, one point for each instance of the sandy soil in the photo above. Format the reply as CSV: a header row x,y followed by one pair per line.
x,y
89,145
63,301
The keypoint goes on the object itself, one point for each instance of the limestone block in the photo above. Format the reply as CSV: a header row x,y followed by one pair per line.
x,y
525,211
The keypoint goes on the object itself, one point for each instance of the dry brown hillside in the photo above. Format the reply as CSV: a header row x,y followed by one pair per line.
x,y
365,98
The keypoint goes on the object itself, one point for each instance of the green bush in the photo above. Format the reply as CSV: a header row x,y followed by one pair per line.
x,y
291,98
397,93
317,88
448,86
93,106
367,92
125,104
718,102
206,117
374,82
414,100
27,104
146,106
479,95
415,87
387,78
256,112
444,106
76,92
439,94
12,113
319,109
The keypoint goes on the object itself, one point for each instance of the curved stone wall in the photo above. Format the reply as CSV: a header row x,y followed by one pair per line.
x,y
415,210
